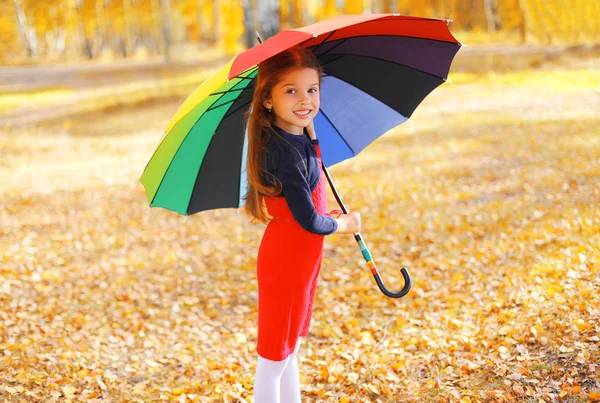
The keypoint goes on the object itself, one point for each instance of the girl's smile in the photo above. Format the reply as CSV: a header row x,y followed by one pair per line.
x,y
303,114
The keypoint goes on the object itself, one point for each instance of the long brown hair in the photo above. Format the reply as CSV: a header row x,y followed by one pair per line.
x,y
260,129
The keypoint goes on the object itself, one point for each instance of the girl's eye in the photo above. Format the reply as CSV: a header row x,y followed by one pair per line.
x,y
315,90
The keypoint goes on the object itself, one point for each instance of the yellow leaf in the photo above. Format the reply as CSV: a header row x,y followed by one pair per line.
x,y
100,383
465,399
366,337
594,396
177,391
343,399
352,377
324,372
152,363
68,390
240,337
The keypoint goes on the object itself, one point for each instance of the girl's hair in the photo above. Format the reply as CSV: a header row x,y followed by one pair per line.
x,y
260,129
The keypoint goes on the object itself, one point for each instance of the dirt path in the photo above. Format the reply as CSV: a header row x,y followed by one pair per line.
x,y
97,86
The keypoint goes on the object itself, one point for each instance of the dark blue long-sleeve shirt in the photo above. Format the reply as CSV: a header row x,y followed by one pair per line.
x,y
292,159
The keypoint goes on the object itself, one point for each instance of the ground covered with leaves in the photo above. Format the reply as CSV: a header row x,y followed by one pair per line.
x,y
489,196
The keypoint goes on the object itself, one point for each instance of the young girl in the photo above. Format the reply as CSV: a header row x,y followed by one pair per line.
x,y
285,176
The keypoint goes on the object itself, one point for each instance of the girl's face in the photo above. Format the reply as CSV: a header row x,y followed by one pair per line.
x,y
296,94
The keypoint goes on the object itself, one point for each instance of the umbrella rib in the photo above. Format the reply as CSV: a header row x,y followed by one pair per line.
x,y
332,60
398,64
330,49
223,104
396,36
323,41
245,71
237,109
338,132
228,91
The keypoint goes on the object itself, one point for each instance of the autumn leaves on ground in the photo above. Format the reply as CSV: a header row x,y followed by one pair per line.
x,y
489,196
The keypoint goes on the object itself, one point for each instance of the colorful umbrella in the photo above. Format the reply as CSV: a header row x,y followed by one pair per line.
x,y
377,70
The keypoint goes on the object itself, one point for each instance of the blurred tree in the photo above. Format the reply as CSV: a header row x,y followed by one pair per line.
x,y
389,6
36,30
267,13
84,29
354,6
328,9
11,43
166,28
231,26
117,26
27,28
215,21
102,30
491,14
250,34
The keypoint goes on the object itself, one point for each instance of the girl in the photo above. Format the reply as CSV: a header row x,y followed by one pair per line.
x,y
285,176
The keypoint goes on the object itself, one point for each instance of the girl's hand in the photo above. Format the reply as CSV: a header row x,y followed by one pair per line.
x,y
349,223
310,129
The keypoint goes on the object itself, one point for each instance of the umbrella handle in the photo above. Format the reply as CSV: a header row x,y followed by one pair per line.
x,y
367,254
369,259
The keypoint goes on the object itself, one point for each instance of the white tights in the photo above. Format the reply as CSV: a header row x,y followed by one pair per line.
x,y
277,381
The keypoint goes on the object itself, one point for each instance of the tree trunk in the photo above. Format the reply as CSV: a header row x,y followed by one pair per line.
x,y
108,30
268,18
389,6
126,41
24,31
249,24
201,21
215,30
154,39
166,28
100,28
490,15
524,14
136,26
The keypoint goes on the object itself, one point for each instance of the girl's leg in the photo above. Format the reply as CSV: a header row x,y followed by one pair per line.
x,y
290,381
267,380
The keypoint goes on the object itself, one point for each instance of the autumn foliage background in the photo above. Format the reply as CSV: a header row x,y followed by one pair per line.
x,y
489,195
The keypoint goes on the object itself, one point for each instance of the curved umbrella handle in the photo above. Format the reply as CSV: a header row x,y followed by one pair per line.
x,y
367,254
369,259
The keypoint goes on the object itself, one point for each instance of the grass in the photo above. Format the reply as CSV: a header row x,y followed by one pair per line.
x,y
11,100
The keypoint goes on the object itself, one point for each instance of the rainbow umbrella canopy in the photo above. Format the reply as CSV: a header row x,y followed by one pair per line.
x,y
377,68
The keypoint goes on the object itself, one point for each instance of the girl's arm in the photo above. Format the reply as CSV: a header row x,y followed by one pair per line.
x,y
298,196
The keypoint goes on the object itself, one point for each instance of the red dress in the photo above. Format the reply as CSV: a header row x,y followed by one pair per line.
x,y
288,266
